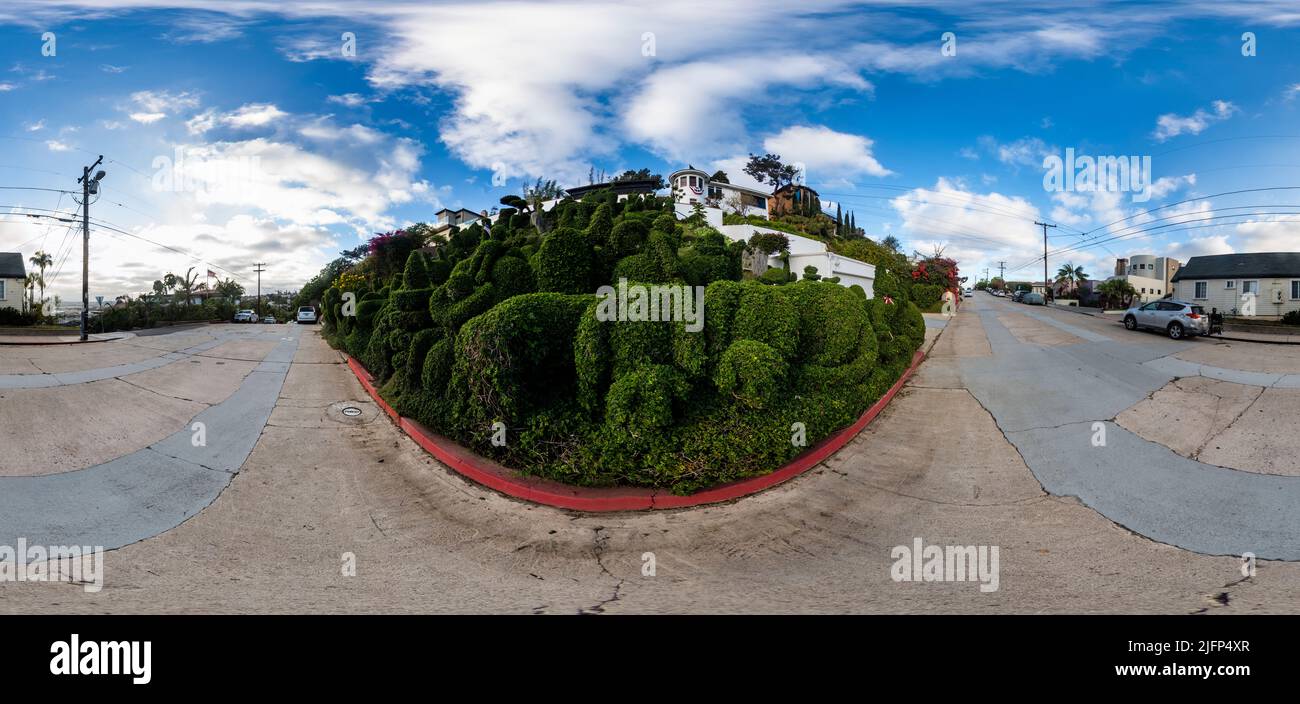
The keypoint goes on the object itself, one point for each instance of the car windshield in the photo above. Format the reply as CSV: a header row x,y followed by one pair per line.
x,y
304,309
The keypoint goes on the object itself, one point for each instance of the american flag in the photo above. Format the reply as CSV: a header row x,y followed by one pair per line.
x,y
211,274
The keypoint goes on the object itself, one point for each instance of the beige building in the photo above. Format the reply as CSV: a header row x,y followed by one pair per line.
x,y
13,280
1268,283
1151,276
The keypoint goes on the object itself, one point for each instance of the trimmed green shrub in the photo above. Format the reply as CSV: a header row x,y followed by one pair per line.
x,y
751,372
766,315
643,401
831,320
627,238
564,263
511,276
416,274
775,276
517,356
926,295
638,267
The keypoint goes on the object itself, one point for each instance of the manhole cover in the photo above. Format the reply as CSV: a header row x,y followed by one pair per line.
x,y
351,411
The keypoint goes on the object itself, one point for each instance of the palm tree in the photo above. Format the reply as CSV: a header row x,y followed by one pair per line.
x,y
185,283
1070,275
40,260
30,284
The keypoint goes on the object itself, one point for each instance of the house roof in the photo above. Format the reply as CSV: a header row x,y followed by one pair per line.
x,y
1235,266
794,186
623,187
11,266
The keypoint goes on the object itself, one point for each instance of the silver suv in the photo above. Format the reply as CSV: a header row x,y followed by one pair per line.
x,y
1178,319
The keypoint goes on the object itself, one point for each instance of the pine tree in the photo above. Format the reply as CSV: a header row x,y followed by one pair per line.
x,y
839,227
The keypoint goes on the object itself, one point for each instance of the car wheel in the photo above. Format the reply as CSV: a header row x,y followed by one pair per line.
x,y
1130,323
1175,331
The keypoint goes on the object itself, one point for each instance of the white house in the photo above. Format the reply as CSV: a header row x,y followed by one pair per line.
x,y
1151,276
805,251
691,186
1228,281
13,280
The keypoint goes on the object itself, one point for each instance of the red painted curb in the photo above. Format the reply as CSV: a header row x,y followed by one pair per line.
x,y
599,499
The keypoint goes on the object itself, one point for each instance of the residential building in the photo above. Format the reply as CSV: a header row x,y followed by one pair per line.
x,y
691,185
13,280
622,188
794,199
1229,281
1151,276
805,251
447,218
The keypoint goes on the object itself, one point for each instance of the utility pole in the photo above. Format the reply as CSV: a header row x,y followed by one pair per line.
x,y
1002,271
88,186
259,268
1046,288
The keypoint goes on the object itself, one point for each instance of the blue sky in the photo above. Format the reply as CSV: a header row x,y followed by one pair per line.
x,y
239,132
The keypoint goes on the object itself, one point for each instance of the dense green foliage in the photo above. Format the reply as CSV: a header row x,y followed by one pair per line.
x,y
505,334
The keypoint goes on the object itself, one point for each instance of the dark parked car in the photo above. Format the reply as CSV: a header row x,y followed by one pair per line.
x,y
1018,295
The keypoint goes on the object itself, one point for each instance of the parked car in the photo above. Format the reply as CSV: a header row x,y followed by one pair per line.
x,y
1017,296
269,320
245,316
968,293
1033,299
306,314
1177,319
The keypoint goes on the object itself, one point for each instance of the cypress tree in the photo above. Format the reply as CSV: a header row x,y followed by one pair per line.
x,y
839,228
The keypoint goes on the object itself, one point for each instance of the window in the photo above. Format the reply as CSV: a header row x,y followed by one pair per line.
x,y
1229,285
1202,289
1295,290
1250,287
1144,290
3,282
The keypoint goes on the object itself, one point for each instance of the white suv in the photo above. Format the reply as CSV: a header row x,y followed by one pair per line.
x,y
306,314
245,316
1178,319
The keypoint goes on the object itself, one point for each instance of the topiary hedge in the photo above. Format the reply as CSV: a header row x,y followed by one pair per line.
x,y
500,333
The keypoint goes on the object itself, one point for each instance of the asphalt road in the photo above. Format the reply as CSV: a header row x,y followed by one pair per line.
x,y
1058,404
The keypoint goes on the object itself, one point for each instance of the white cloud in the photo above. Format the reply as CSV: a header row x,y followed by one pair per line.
x,y
201,122
253,115
1274,234
149,101
1171,125
55,145
147,118
694,110
34,126
323,129
1026,151
1199,247
351,100
976,229
6,87
826,155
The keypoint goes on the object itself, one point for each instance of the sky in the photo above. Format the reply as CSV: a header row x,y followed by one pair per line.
x,y
283,132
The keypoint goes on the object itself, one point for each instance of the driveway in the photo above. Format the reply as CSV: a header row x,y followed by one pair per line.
x,y
959,458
